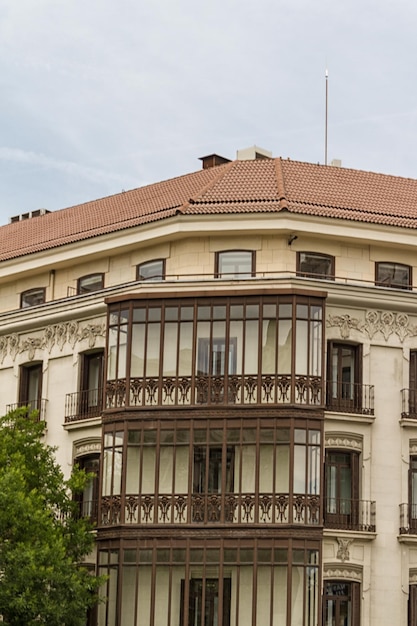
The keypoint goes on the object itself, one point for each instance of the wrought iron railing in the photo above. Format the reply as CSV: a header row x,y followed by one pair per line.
x,y
83,405
409,403
32,405
349,514
350,398
213,390
212,508
408,519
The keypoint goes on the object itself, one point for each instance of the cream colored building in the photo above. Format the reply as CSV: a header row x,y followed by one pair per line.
x,y
234,353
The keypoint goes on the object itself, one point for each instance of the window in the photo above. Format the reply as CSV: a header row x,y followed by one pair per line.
x,y
344,389
315,265
91,383
235,264
209,467
92,282
341,604
412,497
32,297
30,392
212,360
412,391
88,499
342,489
393,275
412,605
151,270
204,602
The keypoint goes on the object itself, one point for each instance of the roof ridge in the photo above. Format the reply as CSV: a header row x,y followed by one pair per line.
x,y
194,200
282,196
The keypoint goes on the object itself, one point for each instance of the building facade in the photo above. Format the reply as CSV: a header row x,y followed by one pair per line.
x,y
233,355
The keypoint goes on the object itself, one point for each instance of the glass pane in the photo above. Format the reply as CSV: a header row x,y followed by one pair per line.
x,y
235,264
152,270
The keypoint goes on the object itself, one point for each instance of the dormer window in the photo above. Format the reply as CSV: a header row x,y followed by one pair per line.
x,y
235,264
315,265
89,283
151,270
32,297
395,275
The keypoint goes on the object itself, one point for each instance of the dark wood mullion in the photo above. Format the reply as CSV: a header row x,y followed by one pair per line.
x,y
293,340
140,477
128,356
254,581
227,348
174,470
153,586
291,474
257,472
259,364
156,473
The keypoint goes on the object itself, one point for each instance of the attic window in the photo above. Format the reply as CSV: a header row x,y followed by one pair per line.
x,y
151,270
89,283
32,297
315,265
395,275
235,264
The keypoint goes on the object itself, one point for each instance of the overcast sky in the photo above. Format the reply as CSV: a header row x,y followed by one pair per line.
x,y
103,95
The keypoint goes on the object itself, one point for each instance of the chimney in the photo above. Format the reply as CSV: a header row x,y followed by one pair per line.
x,y
254,152
212,160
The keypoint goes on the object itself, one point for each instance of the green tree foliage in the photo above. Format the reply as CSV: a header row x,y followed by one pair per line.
x,y
43,540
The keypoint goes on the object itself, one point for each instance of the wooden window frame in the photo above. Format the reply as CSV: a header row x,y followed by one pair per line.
x,y
83,290
154,277
231,275
391,283
25,375
311,274
353,596
40,291
341,402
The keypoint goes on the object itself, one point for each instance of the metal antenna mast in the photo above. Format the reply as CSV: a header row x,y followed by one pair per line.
x,y
325,125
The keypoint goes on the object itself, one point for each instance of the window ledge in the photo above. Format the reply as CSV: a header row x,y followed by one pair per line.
x,y
363,535
350,417
407,538
82,423
408,422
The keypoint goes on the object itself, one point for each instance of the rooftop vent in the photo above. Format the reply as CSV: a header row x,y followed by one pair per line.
x,y
28,216
254,152
212,160
336,163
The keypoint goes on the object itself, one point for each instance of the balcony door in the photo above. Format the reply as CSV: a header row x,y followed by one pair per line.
x,y
412,408
412,498
342,489
203,607
30,392
344,377
91,384
341,606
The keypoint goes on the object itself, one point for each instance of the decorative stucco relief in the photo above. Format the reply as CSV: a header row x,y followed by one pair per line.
x,y
343,550
348,572
385,323
343,440
413,576
57,334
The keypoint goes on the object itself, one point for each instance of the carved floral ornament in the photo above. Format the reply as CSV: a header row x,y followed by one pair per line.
x,y
344,440
57,334
375,324
343,572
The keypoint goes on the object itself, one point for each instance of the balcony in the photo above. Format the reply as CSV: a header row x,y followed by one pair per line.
x,y
32,405
409,403
83,405
408,519
350,398
349,514
196,508
214,390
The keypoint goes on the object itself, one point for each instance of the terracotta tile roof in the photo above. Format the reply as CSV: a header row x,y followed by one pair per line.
x,y
260,186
